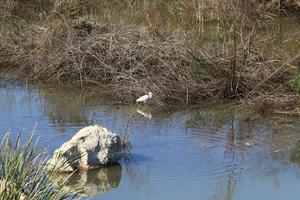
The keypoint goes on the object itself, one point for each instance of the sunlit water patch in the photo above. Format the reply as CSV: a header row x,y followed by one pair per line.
x,y
210,151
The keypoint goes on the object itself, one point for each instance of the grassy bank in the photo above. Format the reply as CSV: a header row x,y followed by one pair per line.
x,y
23,175
123,61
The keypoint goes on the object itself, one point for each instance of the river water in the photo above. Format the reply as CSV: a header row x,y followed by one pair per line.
x,y
209,151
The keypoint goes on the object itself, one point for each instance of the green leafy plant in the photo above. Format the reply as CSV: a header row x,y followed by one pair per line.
x,y
295,83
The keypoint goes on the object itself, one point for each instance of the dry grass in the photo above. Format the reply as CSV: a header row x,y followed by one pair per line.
x,y
6,7
123,62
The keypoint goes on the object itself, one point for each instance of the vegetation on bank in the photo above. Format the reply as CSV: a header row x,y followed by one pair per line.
x,y
124,61
23,175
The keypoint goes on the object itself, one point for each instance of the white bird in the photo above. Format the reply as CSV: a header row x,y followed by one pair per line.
x,y
145,98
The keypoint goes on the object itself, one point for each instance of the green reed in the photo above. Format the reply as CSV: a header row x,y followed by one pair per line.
x,y
23,174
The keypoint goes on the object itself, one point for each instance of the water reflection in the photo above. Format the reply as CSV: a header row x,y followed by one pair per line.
x,y
218,151
92,182
63,105
144,113
295,156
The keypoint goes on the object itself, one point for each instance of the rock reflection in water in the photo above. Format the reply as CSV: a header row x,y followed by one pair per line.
x,y
92,182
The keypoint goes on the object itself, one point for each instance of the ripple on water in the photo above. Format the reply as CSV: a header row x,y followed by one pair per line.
x,y
199,173
185,161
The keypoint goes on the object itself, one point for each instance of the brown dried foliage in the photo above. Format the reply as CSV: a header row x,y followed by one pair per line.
x,y
124,62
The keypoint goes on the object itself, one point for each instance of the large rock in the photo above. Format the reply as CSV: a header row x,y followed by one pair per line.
x,y
91,147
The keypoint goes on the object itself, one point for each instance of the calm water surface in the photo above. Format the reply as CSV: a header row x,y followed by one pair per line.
x,y
210,151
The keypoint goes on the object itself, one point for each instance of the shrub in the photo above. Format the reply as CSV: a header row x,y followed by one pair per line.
x,y
295,83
